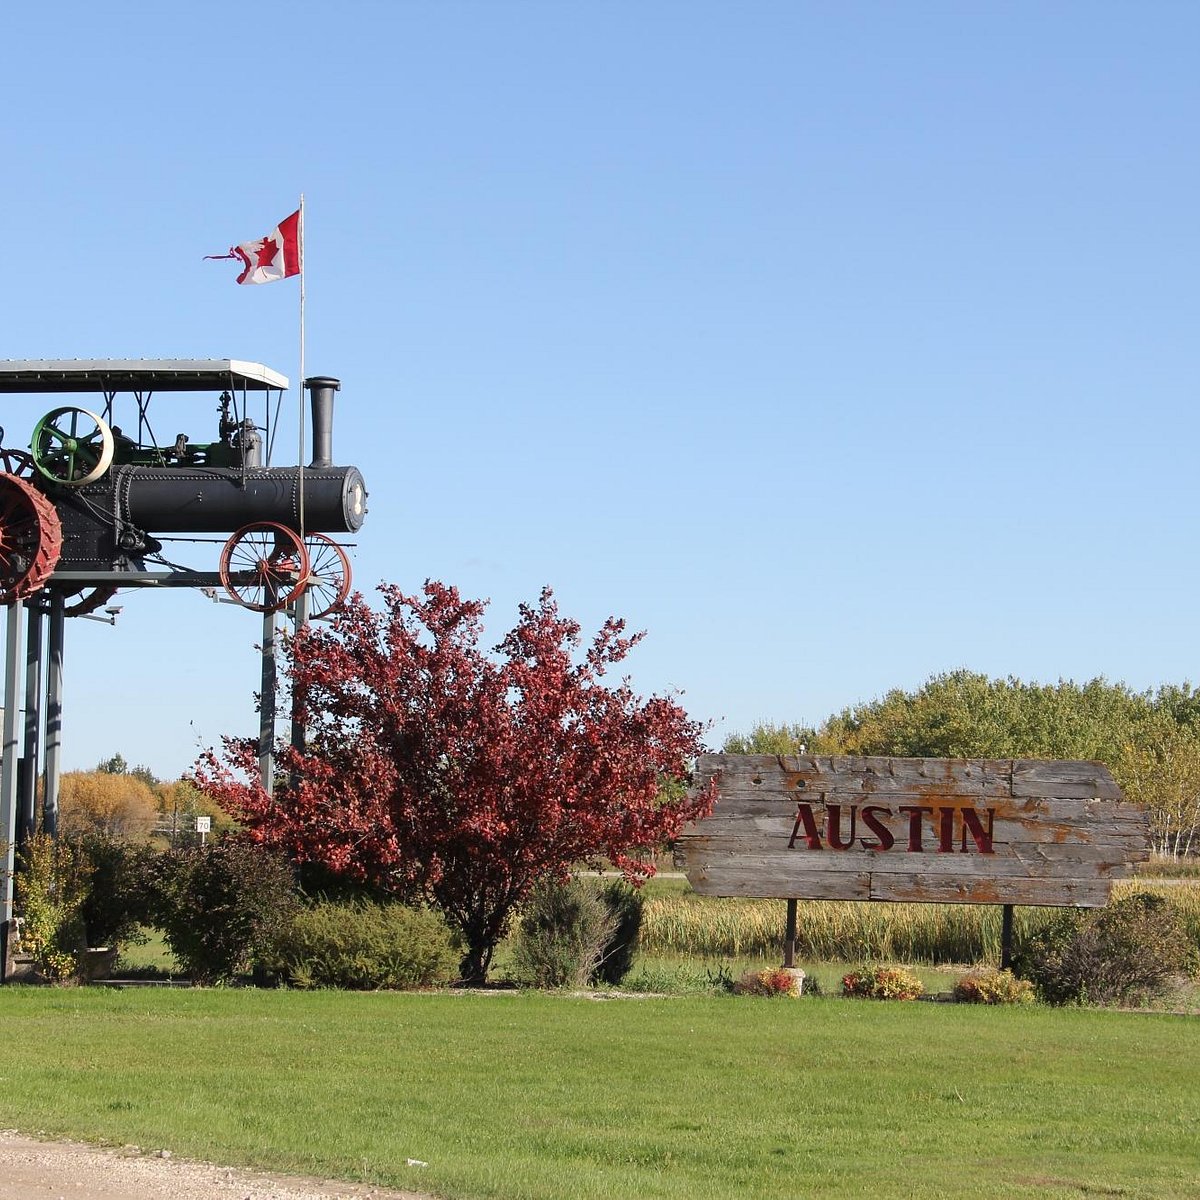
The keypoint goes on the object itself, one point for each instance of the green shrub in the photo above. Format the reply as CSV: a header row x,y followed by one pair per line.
x,y
221,907
117,904
993,987
882,983
1130,952
51,889
683,978
359,945
562,935
1182,898
625,903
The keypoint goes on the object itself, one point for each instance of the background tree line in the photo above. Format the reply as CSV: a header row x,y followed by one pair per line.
x,y
1149,740
119,801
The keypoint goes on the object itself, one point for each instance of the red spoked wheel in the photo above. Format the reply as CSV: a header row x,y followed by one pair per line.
x,y
328,575
30,539
264,566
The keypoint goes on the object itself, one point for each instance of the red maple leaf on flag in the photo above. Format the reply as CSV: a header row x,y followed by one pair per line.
x,y
265,255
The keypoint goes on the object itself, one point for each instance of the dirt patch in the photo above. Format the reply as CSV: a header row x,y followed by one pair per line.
x,y
34,1170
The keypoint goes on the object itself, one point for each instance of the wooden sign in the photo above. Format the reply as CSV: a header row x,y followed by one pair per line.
x,y
968,831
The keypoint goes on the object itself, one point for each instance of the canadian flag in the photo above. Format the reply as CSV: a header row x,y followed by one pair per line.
x,y
275,256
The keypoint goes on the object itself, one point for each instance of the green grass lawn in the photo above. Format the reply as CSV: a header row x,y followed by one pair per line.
x,y
526,1096
150,955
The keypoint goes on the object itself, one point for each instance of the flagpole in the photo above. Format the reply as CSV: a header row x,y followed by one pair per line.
x,y
300,407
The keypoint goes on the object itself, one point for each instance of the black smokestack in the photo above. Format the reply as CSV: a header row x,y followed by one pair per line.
x,y
321,389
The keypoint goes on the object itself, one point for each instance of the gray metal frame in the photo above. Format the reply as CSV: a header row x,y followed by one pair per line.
x,y
41,651
8,779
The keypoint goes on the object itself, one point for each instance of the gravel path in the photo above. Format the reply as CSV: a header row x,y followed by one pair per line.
x,y
33,1170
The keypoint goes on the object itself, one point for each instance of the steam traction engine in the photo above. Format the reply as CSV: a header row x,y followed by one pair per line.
x,y
95,502
89,506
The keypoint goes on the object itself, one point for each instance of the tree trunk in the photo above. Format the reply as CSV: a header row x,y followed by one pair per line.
x,y
475,963
482,925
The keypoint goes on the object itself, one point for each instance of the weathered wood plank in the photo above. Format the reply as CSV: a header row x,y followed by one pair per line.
x,y
1081,808
761,774
781,886
796,826
768,803
921,888
746,859
1064,854
926,776
1028,863
1048,821
1064,779
1062,893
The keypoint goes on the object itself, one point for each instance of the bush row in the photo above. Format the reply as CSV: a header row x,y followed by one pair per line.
x,y
232,910
229,910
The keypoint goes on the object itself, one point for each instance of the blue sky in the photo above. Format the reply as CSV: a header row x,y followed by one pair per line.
x,y
835,345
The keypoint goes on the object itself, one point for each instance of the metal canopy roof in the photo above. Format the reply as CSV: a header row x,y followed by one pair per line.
x,y
28,376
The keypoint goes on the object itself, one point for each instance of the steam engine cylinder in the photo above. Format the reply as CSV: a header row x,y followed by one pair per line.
x,y
110,525
220,500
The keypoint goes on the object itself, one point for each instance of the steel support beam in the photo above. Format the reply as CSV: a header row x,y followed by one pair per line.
x,y
34,693
54,712
299,722
73,580
14,650
266,707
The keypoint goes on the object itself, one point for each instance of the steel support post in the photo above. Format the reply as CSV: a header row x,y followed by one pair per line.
x,y
8,779
266,707
299,723
1006,937
789,936
54,711
34,693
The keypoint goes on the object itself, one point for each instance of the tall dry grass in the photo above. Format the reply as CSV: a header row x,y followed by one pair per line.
x,y
845,931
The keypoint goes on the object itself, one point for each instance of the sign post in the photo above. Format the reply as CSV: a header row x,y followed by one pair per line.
x,y
789,936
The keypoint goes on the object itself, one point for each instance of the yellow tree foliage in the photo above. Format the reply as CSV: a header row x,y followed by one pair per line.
x,y
117,806
1162,770
181,802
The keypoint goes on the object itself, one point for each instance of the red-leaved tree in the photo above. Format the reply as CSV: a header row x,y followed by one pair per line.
x,y
461,777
